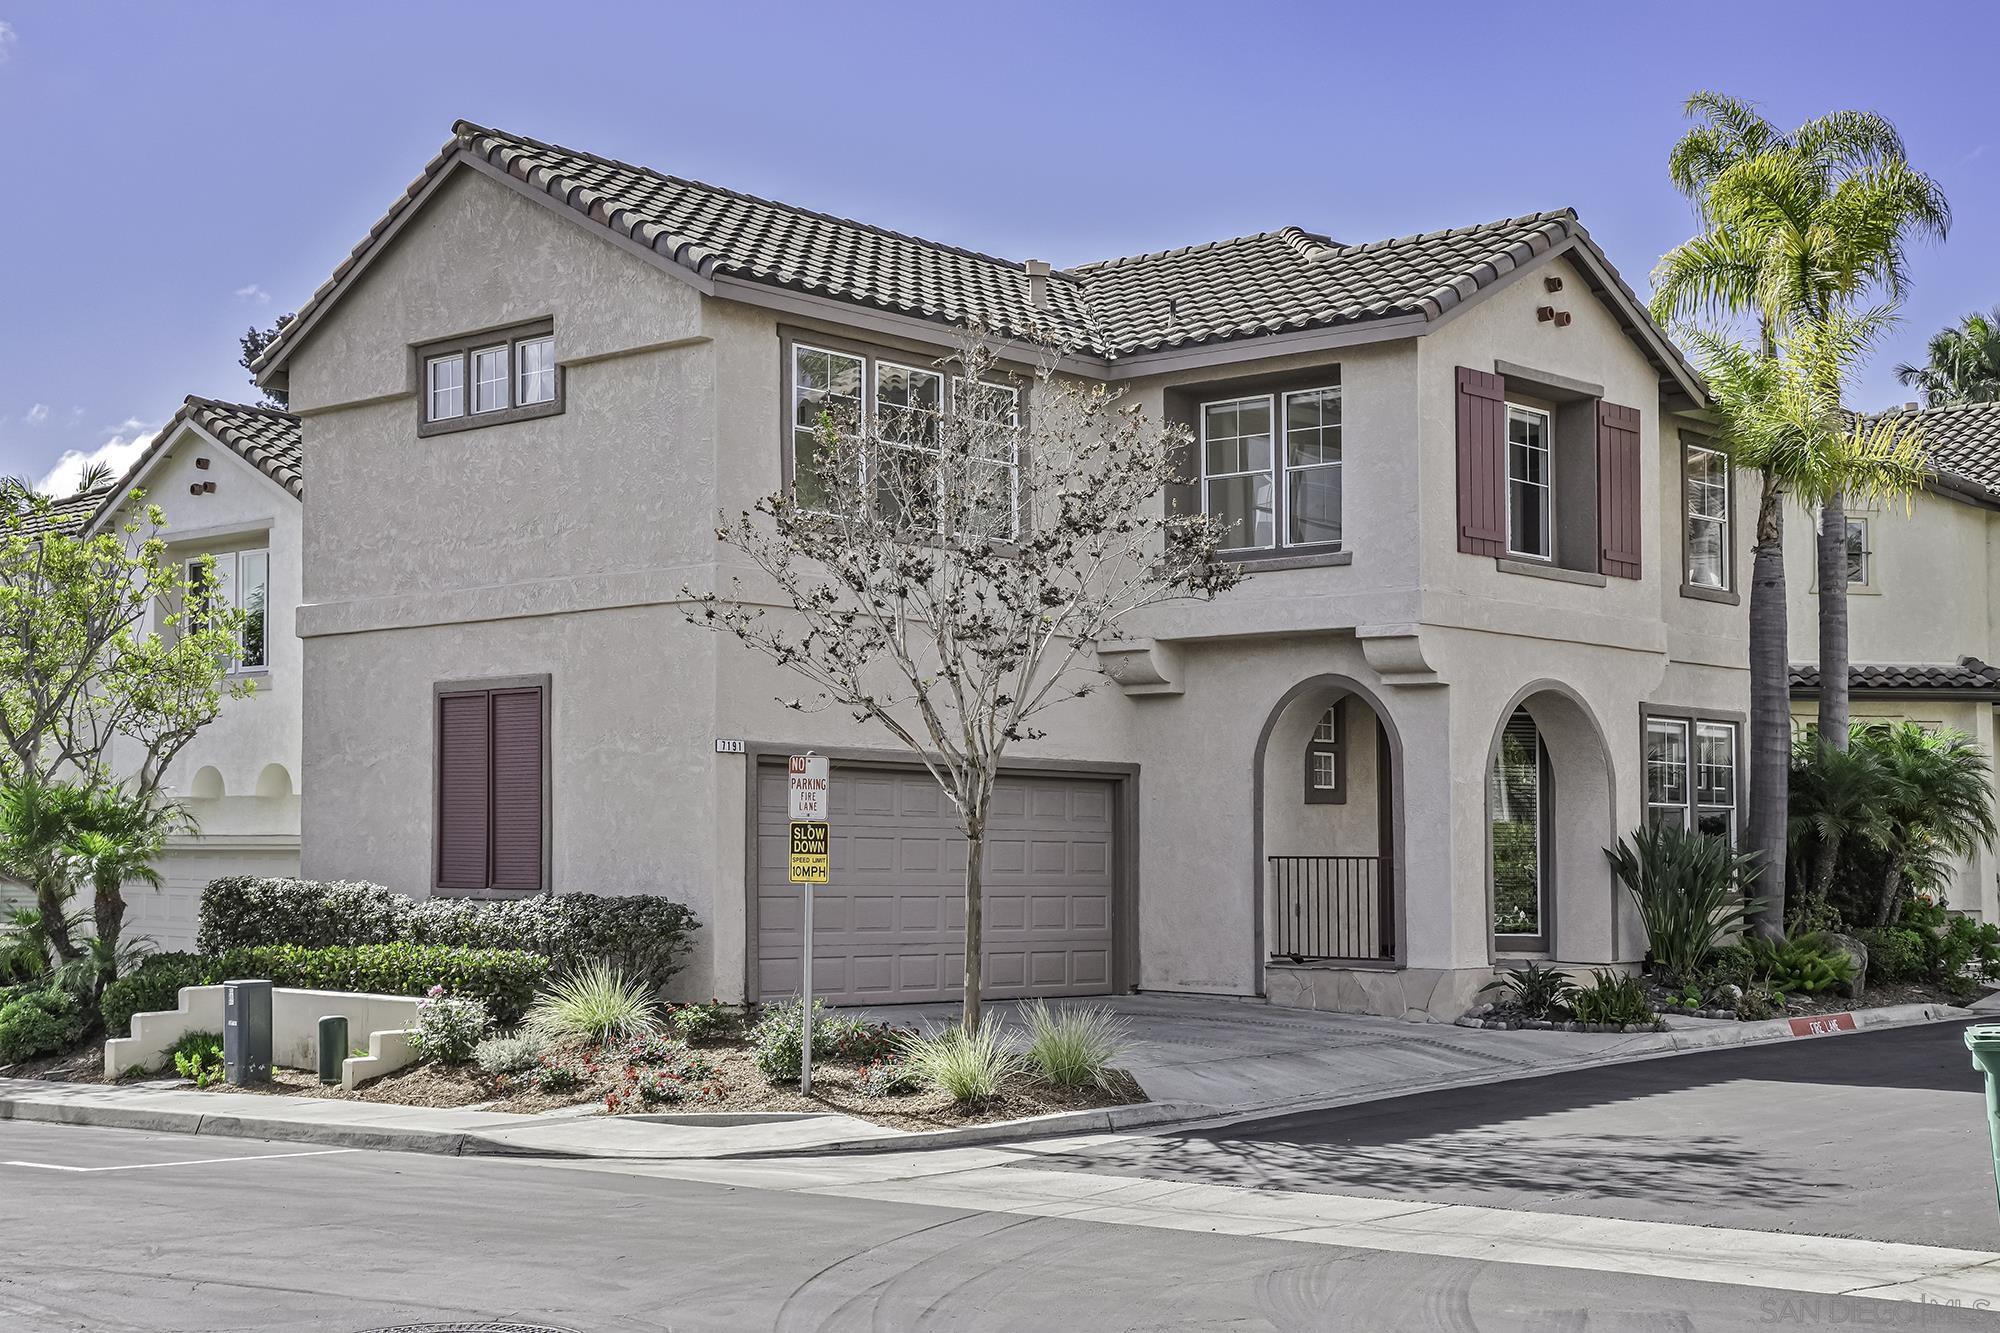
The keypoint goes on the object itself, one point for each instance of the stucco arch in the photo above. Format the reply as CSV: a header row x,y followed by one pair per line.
x,y
275,781
207,784
1310,692
1581,894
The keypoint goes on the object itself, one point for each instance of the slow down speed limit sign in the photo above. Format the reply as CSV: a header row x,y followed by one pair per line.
x,y
806,792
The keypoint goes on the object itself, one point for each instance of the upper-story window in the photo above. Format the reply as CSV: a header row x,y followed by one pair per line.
x,y
1706,481
489,378
1271,468
242,583
1860,557
904,406
1530,494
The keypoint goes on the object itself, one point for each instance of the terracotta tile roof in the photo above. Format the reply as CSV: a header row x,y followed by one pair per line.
x,y
65,514
1963,441
1269,283
1966,674
267,438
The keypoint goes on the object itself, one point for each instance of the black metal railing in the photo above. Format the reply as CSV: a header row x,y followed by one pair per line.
x,y
1332,907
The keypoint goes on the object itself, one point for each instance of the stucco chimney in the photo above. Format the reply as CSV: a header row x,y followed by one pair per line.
x,y
1038,282
1909,407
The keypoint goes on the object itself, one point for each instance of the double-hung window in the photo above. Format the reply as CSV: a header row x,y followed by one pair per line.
x,y
1706,482
489,378
1271,468
904,411
1530,496
1691,774
1859,557
242,583
1326,767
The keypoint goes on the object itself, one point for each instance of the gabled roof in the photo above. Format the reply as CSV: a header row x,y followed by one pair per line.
x,y
1963,443
1274,282
1967,675
67,514
267,438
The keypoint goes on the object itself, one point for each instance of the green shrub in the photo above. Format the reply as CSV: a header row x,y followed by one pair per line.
x,y
1967,952
40,1022
1538,992
198,1057
511,1053
597,1004
1758,1002
1075,1047
1685,884
889,1077
856,1039
641,935
776,1041
503,980
1806,964
449,1027
1612,998
968,1067
714,1021
1896,956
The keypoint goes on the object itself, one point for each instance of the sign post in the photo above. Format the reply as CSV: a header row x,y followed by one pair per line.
x,y
810,863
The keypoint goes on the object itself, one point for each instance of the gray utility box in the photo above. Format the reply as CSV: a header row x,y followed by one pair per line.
x,y
246,1032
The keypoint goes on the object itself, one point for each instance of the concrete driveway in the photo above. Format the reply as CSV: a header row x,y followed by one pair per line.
x,y
1236,1054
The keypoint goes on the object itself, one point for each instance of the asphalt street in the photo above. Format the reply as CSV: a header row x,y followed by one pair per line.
x,y
1880,1135
113,1230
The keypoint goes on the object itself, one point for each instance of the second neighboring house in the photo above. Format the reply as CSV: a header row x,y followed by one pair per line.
x,y
228,477
1493,625
1923,606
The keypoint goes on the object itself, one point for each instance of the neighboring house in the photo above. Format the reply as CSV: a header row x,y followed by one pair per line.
x,y
227,477
1493,624
1923,606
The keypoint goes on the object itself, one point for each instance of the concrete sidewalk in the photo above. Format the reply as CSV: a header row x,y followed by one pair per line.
x,y
1202,1060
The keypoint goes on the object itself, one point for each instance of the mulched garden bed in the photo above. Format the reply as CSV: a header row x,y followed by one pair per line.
x,y
1504,1017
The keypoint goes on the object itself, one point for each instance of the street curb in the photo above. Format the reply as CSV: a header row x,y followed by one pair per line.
x,y
1154,1117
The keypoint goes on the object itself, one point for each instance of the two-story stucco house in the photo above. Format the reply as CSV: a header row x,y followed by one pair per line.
x,y
1923,606
1493,620
228,478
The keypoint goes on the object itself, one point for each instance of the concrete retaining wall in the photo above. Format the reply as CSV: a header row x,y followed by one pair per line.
x,y
380,1023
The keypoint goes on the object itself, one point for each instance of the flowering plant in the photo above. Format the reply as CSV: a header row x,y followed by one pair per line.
x,y
449,1027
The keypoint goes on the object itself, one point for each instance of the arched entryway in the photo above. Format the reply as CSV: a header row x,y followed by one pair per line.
x,y
1550,812
1327,776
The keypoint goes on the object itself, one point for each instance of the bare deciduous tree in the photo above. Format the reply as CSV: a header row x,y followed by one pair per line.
x,y
947,562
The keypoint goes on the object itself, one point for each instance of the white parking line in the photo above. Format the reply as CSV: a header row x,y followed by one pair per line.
x,y
199,1161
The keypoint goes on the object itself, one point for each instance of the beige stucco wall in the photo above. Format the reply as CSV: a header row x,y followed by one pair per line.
x,y
561,546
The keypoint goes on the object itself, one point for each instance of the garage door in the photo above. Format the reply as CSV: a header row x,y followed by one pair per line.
x,y
890,927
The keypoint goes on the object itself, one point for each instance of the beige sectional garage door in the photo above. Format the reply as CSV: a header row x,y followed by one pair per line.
x,y
890,927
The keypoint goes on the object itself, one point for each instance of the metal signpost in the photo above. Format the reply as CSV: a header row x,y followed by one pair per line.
x,y
811,860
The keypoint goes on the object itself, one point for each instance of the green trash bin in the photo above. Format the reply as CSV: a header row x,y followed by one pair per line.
x,y
1983,1040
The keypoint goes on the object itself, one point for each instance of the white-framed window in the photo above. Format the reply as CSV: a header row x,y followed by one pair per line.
x,y
444,381
489,379
1691,774
242,582
1324,766
1706,483
1860,557
535,368
1271,468
1530,496
824,383
997,446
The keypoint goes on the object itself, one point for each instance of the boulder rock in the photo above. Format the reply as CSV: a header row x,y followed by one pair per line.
x,y
1857,954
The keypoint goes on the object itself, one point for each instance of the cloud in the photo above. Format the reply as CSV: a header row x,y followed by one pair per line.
x,y
8,39
253,293
37,414
76,415
127,442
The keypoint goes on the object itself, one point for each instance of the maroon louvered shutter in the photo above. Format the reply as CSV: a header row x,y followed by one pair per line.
x,y
464,760
1618,490
1482,462
517,789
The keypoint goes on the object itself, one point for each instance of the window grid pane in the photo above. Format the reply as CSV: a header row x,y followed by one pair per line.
x,y
1707,474
253,589
1528,495
822,383
1312,467
1667,770
535,364
445,378
489,379
1857,550
1238,458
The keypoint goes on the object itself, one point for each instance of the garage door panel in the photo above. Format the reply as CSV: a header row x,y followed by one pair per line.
x,y
887,927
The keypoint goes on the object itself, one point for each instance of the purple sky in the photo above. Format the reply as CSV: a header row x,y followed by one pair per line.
x,y
176,171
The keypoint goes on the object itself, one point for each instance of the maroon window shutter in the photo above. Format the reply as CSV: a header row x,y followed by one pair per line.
x,y
1482,462
517,789
464,758
1618,490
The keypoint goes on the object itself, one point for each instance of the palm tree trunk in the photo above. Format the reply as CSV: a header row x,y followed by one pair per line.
x,y
108,911
50,899
1770,710
1833,622
1888,900
1825,858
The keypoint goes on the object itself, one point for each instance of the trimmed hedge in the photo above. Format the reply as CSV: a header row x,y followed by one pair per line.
x,y
645,937
505,980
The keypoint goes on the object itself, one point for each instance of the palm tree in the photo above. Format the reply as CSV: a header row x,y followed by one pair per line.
x,y
1940,807
1795,227
1962,363
116,837
1839,799
37,819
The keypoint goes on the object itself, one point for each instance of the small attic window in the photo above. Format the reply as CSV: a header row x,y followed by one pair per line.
x,y
489,379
